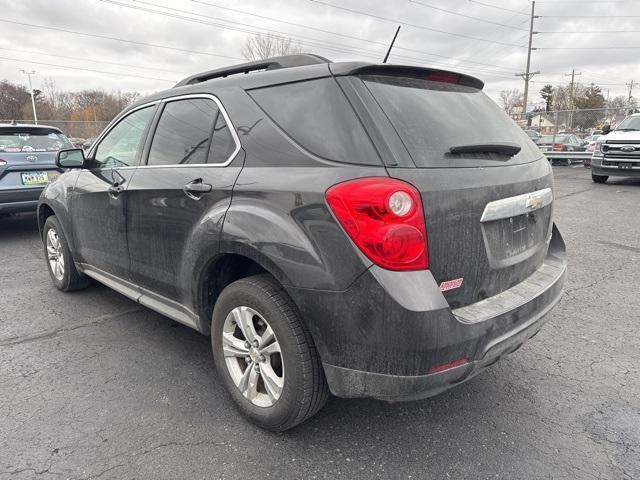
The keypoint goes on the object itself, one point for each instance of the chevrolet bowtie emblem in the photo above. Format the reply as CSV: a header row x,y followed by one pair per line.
x,y
533,202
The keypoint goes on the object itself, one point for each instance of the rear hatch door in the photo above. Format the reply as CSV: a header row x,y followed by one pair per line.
x,y
487,201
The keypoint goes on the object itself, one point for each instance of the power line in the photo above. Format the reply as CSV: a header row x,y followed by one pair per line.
x,y
635,47
387,19
119,74
589,16
519,12
244,12
315,42
15,50
116,39
588,32
450,12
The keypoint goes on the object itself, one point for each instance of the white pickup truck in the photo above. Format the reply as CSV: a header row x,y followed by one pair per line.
x,y
617,153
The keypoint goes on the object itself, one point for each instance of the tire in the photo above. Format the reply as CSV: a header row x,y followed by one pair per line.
x,y
261,300
599,178
68,279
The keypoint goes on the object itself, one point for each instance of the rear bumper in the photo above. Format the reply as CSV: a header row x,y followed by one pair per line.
x,y
377,342
19,199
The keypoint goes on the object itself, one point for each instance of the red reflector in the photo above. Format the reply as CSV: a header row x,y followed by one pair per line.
x,y
384,218
444,77
447,366
2,162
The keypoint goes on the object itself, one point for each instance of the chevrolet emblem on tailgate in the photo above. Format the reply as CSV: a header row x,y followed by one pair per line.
x,y
533,202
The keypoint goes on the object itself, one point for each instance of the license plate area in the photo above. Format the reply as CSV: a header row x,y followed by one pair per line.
x,y
37,178
625,165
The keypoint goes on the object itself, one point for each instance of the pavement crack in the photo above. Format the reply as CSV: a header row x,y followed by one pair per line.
x,y
10,341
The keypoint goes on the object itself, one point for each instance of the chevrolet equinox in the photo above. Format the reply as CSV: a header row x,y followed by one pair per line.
x,y
362,230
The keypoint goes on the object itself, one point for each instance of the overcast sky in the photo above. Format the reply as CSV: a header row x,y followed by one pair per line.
x,y
203,36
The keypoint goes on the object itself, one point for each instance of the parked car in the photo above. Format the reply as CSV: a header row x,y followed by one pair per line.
x,y
591,146
27,164
561,143
328,225
533,135
617,153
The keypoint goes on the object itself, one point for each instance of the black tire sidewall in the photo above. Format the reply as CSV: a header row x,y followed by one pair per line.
x,y
244,293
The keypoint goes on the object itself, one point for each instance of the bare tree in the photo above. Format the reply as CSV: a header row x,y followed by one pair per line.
x,y
270,45
510,100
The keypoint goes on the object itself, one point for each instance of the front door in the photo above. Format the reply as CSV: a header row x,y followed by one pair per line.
x,y
100,195
177,201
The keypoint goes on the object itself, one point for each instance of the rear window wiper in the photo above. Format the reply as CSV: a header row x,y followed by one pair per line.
x,y
503,148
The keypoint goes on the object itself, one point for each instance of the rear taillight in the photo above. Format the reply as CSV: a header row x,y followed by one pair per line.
x,y
2,162
558,147
384,218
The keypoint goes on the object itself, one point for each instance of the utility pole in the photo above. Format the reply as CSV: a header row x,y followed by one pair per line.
x,y
33,100
571,91
527,75
630,85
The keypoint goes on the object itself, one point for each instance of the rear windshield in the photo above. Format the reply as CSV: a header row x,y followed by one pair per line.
x,y
32,140
431,117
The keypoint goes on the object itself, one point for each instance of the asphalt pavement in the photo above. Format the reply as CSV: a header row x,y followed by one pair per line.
x,y
93,385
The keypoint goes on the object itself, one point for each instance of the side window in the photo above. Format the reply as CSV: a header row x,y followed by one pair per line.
x,y
120,147
223,143
184,132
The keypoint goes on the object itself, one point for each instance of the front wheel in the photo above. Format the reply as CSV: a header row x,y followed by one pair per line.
x,y
599,178
60,263
265,355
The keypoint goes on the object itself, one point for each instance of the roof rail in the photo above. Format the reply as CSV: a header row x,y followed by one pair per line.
x,y
274,63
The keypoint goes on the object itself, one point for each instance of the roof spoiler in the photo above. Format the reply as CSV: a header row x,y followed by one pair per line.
x,y
433,74
275,63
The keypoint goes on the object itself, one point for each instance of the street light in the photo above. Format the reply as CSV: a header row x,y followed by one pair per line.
x,y
33,100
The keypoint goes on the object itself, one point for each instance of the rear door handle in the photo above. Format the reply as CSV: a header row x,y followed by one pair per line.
x,y
116,190
196,188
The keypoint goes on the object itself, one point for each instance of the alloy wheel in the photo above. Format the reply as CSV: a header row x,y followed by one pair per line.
x,y
55,255
253,356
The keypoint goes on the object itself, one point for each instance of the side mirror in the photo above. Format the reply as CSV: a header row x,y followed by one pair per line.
x,y
606,129
71,158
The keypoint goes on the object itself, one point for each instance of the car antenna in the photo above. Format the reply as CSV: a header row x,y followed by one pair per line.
x,y
386,57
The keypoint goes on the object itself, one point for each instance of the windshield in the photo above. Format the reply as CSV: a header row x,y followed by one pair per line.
x,y
32,140
629,124
432,117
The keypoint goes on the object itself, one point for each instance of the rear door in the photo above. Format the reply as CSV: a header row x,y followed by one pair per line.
x,y
99,197
177,201
488,214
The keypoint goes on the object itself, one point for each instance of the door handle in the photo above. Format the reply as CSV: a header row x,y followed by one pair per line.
x,y
115,190
196,188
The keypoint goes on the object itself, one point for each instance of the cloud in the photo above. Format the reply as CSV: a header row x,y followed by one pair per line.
x,y
334,33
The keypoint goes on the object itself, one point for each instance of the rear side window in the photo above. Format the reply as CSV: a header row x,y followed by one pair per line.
x,y
184,132
317,115
431,117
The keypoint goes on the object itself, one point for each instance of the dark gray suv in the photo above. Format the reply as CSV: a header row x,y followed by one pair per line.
x,y
366,230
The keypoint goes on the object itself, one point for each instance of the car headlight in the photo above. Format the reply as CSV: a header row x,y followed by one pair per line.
x,y
598,148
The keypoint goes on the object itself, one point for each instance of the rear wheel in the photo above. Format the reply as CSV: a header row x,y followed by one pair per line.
x,y
599,178
265,355
60,263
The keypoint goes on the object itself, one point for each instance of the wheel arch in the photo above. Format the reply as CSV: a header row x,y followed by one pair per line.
x,y
220,271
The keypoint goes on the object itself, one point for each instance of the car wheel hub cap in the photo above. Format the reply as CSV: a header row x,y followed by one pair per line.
x,y
252,356
54,254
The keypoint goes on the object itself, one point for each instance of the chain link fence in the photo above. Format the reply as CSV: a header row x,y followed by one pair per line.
x,y
579,122
83,129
